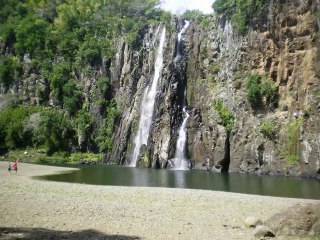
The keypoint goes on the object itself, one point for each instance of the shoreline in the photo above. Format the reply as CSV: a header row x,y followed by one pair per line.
x,y
32,206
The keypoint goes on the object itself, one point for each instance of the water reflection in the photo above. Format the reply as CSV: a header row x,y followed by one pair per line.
x,y
226,181
230,182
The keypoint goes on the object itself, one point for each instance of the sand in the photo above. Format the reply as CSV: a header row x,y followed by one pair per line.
x,y
37,209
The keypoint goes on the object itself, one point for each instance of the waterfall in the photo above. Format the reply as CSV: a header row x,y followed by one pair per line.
x,y
147,105
228,33
179,45
180,162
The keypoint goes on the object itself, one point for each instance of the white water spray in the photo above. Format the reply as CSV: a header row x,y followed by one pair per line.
x,y
147,104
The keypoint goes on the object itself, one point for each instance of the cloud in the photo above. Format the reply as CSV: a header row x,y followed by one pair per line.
x,y
180,6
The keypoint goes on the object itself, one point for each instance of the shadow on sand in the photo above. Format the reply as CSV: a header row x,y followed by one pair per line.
x,y
41,233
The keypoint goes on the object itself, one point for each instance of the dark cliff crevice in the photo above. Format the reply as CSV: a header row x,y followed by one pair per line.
x,y
225,163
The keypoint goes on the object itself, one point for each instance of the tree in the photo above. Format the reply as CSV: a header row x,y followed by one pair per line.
x,y
10,68
72,97
56,130
31,34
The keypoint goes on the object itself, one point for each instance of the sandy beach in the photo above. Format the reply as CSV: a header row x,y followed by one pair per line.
x,y
36,209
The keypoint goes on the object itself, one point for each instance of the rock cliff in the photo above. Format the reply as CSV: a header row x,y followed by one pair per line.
x,y
225,131
216,66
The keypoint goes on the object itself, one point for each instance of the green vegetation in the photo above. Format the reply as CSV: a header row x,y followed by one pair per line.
x,y
194,15
53,130
242,13
214,68
291,149
22,127
261,91
225,115
267,129
60,43
105,131
10,68
31,155
61,37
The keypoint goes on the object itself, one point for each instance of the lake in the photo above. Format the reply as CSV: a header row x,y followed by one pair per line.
x,y
280,186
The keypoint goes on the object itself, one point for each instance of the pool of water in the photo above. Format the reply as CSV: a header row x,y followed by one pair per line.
x,y
280,186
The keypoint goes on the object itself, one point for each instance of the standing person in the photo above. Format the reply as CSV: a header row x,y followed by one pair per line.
x,y
9,167
15,166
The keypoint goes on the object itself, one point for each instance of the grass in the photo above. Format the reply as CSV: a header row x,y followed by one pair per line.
x,y
291,148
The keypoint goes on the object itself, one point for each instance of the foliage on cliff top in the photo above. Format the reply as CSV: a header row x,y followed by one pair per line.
x,y
242,13
70,33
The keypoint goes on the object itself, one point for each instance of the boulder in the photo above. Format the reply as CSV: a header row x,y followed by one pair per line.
x,y
263,231
252,222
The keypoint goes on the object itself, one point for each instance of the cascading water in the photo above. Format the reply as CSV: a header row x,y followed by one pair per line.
x,y
228,33
180,162
147,104
179,45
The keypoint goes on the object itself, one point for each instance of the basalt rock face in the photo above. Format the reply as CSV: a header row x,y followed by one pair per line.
x,y
133,70
213,55
215,66
287,52
194,72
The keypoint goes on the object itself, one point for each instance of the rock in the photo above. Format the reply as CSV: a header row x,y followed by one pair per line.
x,y
297,221
252,222
263,231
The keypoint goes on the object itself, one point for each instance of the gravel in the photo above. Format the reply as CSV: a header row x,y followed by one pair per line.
x,y
36,209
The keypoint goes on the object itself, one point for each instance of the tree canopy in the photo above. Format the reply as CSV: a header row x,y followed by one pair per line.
x,y
58,40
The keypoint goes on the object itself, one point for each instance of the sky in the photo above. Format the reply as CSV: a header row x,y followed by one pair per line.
x,y
180,6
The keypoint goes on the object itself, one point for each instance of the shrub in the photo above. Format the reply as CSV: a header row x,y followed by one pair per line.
x,y
75,157
267,129
268,90
72,97
10,69
12,132
105,132
225,115
291,149
293,136
56,131
254,90
261,91
59,76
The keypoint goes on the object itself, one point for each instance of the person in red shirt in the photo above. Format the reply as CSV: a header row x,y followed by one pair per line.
x,y
15,166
